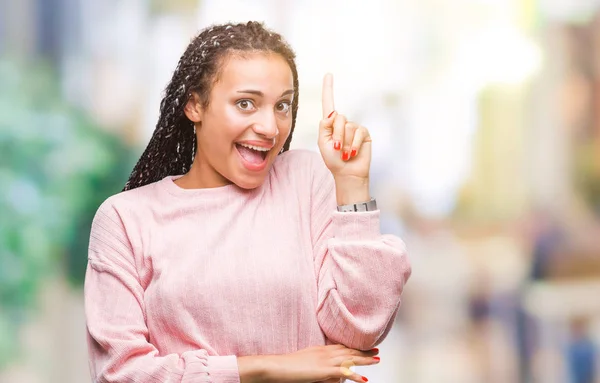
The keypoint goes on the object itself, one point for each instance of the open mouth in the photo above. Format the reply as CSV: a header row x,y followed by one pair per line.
x,y
252,154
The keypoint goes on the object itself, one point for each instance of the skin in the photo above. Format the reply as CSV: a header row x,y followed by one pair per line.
x,y
346,150
251,102
326,364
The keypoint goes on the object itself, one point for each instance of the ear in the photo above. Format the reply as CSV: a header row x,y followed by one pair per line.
x,y
193,109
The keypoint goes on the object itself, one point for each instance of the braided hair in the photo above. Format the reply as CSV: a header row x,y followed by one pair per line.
x,y
172,148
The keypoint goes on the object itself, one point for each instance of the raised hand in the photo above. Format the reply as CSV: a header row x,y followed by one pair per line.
x,y
346,150
345,145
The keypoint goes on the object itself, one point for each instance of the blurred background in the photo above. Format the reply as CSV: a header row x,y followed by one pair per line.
x,y
485,116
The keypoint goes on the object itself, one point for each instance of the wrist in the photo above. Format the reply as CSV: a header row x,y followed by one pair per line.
x,y
350,190
270,369
252,369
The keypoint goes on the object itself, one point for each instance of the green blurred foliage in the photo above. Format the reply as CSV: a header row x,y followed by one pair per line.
x,y
159,7
56,167
587,173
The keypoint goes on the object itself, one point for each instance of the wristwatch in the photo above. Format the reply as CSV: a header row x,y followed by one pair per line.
x,y
361,206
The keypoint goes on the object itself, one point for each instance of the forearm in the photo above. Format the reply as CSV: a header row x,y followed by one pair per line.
x,y
361,279
264,369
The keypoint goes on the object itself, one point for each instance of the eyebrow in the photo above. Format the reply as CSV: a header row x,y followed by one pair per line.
x,y
261,94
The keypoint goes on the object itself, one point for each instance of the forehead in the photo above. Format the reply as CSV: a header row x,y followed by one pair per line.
x,y
260,71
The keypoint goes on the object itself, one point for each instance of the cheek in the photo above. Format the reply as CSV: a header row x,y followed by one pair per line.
x,y
234,121
285,126
230,115
228,126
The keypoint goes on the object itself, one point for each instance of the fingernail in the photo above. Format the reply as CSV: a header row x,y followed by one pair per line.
x,y
365,379
345,156
375,349
377,358
353,153
331,114
337,145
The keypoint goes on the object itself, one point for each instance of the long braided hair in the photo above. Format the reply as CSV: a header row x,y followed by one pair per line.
x,y
172,148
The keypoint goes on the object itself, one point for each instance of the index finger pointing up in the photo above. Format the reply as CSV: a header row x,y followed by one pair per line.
x,y
327,96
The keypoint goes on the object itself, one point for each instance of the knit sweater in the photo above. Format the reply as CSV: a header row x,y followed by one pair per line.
x,y
180,282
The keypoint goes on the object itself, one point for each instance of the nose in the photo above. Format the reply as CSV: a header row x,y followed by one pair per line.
x,y
266,125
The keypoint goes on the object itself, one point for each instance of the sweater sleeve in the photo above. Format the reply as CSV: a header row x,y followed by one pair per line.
x,y
361,273
118,338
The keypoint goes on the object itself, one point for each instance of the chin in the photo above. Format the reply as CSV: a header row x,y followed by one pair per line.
x,y
247,177
250,182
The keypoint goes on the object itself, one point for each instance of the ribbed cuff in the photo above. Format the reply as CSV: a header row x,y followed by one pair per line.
x,y
223,369
356,225
211,369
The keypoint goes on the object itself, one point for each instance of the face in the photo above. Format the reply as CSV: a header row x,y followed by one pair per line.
x,y
246,123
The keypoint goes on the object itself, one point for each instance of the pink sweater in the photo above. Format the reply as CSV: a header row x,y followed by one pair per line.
x,y
181,281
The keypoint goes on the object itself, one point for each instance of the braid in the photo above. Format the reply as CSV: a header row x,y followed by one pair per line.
x,y
172,147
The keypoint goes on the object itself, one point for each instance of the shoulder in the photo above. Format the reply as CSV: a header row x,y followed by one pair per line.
x,y
117,227
296,156
129,202
301,163
303,171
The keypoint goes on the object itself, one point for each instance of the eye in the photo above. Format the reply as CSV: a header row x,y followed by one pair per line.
x,y
245,105
284,106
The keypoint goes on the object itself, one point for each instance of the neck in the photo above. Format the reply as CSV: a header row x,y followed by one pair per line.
x,y
201,176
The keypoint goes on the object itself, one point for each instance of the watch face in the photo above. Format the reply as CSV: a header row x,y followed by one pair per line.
x,y
363,206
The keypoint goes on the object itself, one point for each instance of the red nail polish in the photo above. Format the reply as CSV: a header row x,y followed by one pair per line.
x,y
331,114
337,145
377,358
345,156
353,153
365,379
375,349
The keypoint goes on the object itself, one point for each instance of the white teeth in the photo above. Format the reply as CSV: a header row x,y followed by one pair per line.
x,y
254,147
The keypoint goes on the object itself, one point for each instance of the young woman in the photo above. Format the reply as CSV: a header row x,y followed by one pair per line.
x,y
228,258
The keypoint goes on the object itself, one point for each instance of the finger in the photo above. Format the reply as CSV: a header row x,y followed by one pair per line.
x,y
351,361
361,135
366,361
357,378
327,95
346,373
339,125
326,127
368,353
350,352
349,131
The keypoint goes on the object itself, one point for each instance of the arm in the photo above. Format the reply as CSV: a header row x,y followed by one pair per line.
x,y
361,273
118,338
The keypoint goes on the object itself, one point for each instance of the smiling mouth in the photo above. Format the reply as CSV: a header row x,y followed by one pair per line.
x,y
252,154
